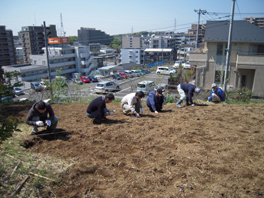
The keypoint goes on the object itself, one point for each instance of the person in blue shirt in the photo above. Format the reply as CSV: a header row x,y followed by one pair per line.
x,y
217,94
186,92
155,101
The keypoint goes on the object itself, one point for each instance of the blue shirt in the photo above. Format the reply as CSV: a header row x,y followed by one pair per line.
x,y
189,90
219,92
153,99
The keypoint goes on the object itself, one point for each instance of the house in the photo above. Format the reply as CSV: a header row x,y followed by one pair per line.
x,y
246,57
184,51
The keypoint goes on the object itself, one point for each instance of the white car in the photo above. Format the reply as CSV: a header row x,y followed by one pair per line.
x,y
18,91
177,64
165,70
186,65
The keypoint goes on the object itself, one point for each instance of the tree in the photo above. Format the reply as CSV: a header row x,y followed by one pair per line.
x,y
116,44
72,39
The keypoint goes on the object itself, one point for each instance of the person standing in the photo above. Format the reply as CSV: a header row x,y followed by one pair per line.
x,y
38,117
133,99
155,101
217,94
186,92
97,108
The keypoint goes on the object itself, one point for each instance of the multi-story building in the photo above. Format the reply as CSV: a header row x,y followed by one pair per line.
x,y
246,57
192,33
184,51
33,39
131,42
94,47
91,35
158,55
7,49
71,59
256,21
19,55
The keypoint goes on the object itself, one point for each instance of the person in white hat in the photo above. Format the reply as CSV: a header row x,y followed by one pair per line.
x,y
186,92
217,94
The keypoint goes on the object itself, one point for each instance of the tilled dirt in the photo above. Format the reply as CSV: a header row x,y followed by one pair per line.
x,y
201,151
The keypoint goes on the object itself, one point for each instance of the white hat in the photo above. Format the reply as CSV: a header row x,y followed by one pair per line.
x,y
213,85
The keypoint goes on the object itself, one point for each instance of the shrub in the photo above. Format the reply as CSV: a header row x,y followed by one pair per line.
x,y
8,127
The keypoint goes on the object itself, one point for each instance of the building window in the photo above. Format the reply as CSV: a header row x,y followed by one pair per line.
x,y
43,62
35,62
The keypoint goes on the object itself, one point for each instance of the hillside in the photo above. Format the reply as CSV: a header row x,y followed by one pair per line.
x,y
201,151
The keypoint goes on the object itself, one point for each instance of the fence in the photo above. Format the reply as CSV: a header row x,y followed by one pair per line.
x,y
155,64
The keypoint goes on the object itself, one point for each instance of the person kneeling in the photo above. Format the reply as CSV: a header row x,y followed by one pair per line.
x,y
38,117
133,99
97,108
155,101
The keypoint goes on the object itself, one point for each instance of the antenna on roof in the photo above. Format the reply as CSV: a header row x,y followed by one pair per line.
x,y
62,30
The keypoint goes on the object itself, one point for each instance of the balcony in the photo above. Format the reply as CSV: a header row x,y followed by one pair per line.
x,y
62,64
245,61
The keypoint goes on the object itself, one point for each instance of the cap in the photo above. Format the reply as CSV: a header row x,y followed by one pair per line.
x,y
159,91
213,85
197,90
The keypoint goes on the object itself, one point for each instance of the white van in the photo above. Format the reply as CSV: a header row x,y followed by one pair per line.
x,y
146,86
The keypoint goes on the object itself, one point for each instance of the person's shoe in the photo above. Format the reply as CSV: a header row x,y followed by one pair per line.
x,y
178,105
94,122
33,133
124,113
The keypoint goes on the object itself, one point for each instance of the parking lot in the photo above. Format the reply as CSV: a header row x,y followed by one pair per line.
x,y
126,86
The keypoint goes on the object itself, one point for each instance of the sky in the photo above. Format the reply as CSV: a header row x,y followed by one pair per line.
x,y
121,16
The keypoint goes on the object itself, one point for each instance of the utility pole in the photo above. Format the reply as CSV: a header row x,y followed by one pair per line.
x,y
197,32
229,45
47,52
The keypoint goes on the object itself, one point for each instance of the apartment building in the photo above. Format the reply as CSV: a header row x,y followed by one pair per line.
x,y
7,49
192,33
166,40
256,21
91,35
94,47
158,55
71,59
184,51
33,39
131,42
246,57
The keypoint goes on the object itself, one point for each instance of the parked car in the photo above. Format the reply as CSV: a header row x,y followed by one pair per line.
x,y
129,73
117,76
85,79
177,64
165,70
77,81
142,72
106,86
7,99
18,91
186,65
123,74
146,86
147,71
35,86
43,85
93,79
136,73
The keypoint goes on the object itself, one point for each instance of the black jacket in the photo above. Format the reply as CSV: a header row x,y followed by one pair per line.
x,y
33,112
97,104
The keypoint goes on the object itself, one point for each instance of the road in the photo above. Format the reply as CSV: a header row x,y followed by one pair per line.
x,y
126,86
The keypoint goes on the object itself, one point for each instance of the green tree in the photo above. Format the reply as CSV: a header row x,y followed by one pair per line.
x,y
72,39
116,44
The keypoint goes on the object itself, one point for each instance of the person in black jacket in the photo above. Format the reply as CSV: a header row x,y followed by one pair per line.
x,y
38,117
186,92
97,108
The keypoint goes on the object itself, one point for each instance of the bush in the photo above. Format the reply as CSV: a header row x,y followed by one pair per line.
x,y
239,95
8,127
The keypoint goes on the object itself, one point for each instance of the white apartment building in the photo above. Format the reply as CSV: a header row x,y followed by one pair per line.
x,y
184,51
132,56
72,59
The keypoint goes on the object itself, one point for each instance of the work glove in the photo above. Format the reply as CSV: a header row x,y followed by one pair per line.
x,y
112,112
142,110
48,122
193,105
39,123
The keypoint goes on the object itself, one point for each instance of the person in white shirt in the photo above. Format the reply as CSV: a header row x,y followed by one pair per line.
x,y
130,100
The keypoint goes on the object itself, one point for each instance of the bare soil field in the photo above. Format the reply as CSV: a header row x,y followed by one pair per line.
x,y
201,151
